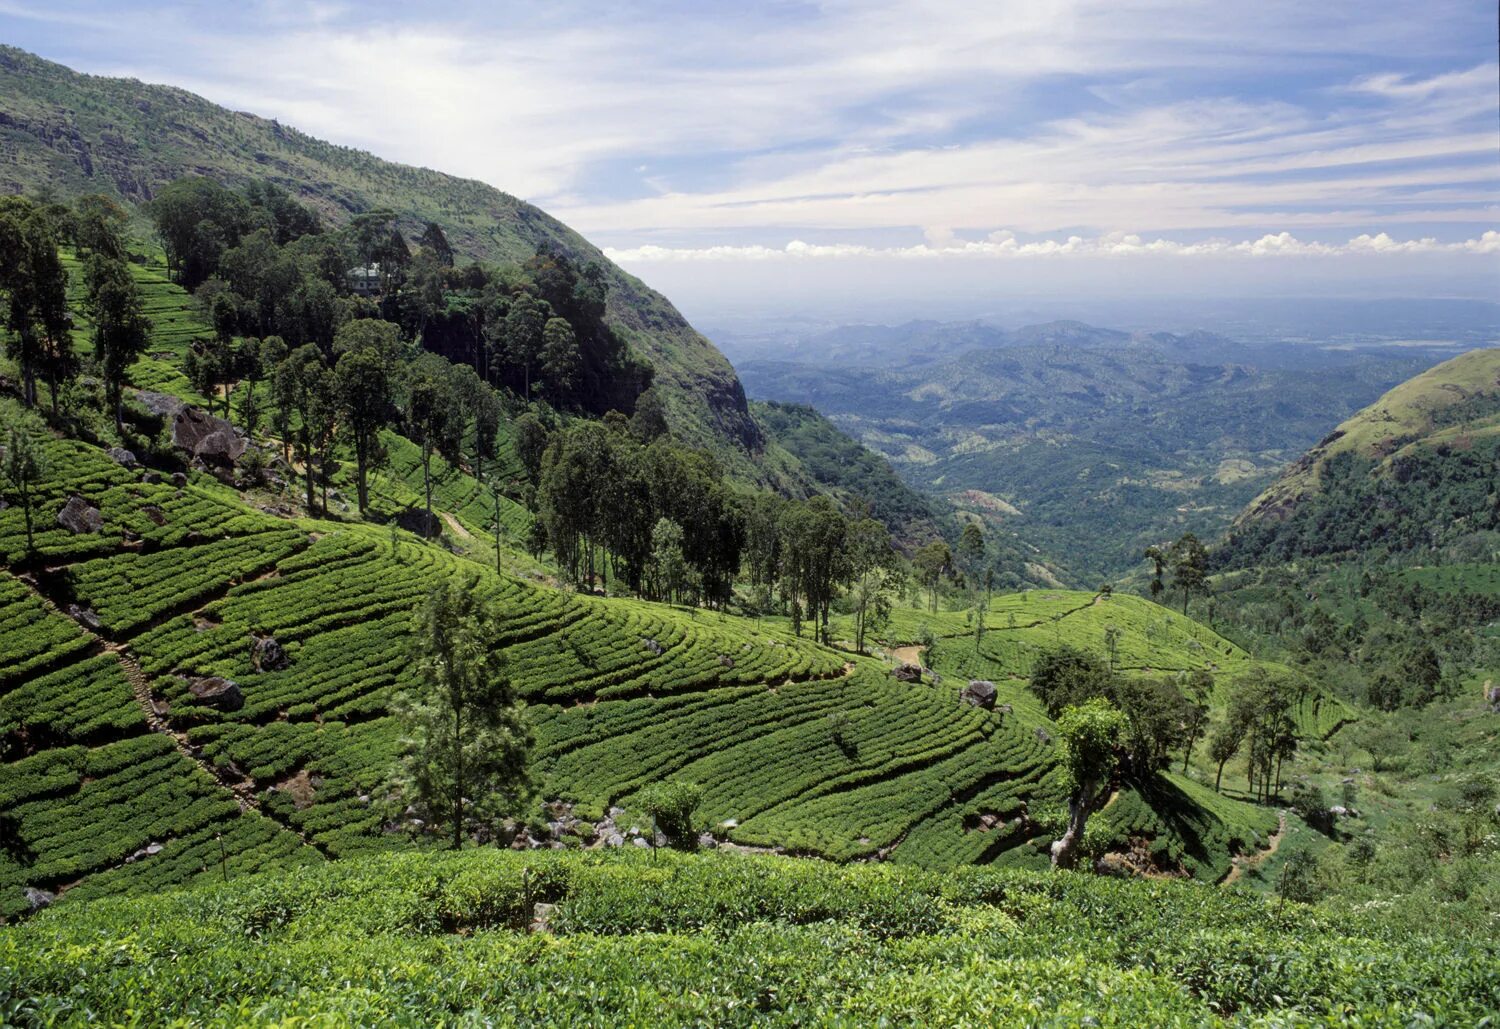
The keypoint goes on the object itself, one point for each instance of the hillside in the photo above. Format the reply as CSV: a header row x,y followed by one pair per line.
x,y
74,134
118,779
1414,470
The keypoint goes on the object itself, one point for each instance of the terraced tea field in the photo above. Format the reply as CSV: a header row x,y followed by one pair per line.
x,y
797,746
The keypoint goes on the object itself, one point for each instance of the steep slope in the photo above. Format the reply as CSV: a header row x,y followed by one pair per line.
x,y
77,134
1415,469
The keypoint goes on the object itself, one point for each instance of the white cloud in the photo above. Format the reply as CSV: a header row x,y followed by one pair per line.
x,y
1004,244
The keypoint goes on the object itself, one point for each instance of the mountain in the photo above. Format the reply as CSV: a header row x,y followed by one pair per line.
x,y
1086,444
1417,469
73,134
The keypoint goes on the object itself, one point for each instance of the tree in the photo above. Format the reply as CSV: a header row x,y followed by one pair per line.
x,y
34,287
465,742
121,330
303,388
25,468
428,415
532,439
650,419
1069,677
932,562
1158,556
971,550
1112,636
99,226
1091,734
871,597
524,325
198,220
559,356
1223,744
363,390
433,239
668,568
1189,567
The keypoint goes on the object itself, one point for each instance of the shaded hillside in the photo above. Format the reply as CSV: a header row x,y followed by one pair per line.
x,y
1416,469
75,134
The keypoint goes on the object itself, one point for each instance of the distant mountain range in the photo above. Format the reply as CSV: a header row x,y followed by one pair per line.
x,y
1087,443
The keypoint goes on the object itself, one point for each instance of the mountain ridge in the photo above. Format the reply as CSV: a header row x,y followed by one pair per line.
x,y
71,133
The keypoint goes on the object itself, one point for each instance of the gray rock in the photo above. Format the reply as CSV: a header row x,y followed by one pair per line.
x,y
640,841
217,692
267,655
979,693
707,841
79,516
120,455
84,616
163,405
179,479
151,478
652,646
208,439
39,899
726,661
907,673
614,839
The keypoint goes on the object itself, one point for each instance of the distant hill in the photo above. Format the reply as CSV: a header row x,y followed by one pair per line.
x,y
1416,469
73,134
1077,443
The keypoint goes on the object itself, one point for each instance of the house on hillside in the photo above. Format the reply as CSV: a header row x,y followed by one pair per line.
x,y
364,279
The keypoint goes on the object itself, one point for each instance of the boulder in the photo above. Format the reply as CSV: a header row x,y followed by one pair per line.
x,y
267,655
151,478
726,661
217,692
38,899
614,839
640,841
154,514
79,516
179,479
907,673
84,616
163,405
120,455
209,439
652,646
979,693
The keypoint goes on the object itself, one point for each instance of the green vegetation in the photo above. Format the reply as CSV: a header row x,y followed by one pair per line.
x,y
728,940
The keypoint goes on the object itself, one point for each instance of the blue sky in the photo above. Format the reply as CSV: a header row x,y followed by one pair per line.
x,y
738,151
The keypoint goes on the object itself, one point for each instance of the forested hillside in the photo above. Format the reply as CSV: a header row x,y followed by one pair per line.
x,y
73,135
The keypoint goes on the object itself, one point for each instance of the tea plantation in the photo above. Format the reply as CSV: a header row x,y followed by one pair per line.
x,y
797,746
630,938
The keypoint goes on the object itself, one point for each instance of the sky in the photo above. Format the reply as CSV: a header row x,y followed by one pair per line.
x,y
898,157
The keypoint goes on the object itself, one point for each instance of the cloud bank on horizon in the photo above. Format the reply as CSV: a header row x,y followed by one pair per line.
x,y
718,135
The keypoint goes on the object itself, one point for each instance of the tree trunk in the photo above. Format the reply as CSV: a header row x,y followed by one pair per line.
x,y
1220,777
26,513
361,484
427,484
1080,807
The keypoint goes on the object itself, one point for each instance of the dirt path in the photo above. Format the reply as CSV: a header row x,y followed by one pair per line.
x,y
456,525
906,655
1244,861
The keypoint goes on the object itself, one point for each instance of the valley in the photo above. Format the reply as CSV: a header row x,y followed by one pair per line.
x,y
407,617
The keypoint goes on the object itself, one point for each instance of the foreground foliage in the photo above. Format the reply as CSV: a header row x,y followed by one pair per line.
x,y
725,939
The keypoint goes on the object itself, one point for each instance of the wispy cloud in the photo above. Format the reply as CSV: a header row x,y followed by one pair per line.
x,y
1005,245
872,123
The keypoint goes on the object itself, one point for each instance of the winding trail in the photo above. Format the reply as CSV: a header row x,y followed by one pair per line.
x,y
1241,862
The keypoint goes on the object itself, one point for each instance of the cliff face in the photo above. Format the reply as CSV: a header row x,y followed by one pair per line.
x,y
74,134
